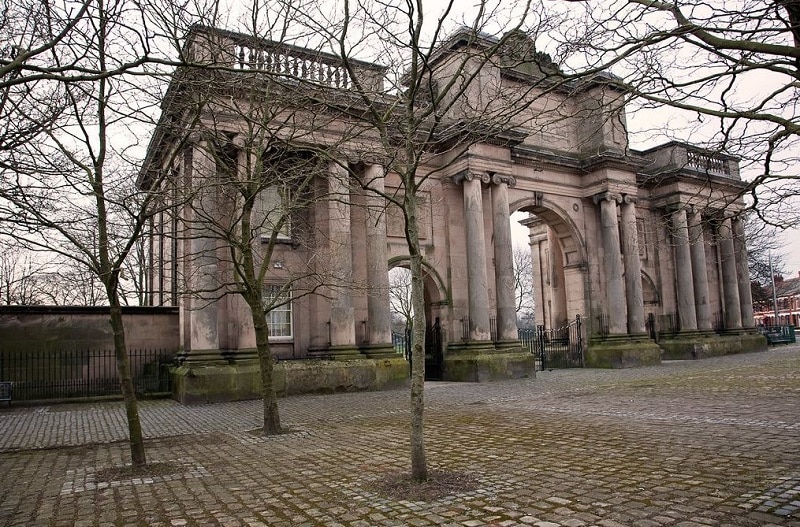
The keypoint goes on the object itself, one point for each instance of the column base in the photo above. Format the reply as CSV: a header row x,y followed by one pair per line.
x,y
481,361
379,351
209,355
347,352
701,344
622,351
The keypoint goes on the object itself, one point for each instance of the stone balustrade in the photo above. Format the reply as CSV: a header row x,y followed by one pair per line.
x,y
679,156
243,52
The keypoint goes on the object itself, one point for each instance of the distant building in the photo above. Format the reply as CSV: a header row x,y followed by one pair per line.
x,y
787,296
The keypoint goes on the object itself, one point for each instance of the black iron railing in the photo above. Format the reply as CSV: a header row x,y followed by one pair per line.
x,y
43,375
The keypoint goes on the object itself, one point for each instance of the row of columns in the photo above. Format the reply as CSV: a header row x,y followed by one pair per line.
x,y
342,318
621,258
694,310
477,281
624,297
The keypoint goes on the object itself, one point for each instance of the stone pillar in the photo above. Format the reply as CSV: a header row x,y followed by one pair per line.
x,y
343,329
503,259
699,271
379,326
203,282
538,279
730,282
684,280
612,265
476,256
743,273
633,267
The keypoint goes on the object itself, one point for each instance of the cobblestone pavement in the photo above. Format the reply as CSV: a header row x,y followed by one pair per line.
x,y
708,442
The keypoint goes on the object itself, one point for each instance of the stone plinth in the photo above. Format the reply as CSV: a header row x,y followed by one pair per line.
x,y
481,362
622,352
216,382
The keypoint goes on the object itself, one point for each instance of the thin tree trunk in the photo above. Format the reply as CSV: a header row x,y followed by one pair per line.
x,y
136,438
272,421
419,464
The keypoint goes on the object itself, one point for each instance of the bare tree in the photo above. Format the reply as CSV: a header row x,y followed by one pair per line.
x,y
400,295
428,111
728,70
764,254
70,84
20,277
256,176
523,280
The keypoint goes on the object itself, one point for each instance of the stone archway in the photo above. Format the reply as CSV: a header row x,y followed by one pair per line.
x,y
435,297
558,258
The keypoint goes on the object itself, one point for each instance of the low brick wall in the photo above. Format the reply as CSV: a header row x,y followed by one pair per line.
x,y
68,328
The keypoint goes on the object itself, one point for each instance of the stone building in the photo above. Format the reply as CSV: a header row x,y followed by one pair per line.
x,y
625,240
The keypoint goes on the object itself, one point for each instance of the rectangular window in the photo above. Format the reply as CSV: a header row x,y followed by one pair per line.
x,y
278,304
274,208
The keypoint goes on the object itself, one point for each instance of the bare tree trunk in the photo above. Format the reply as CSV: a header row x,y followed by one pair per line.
x,y
136,438
419,464
272,420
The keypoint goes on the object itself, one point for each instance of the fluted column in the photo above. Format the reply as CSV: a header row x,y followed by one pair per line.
x,y
730,283
378,318
503,259
612,265
699,271
684,280
343,329
742,273
476,256
633,267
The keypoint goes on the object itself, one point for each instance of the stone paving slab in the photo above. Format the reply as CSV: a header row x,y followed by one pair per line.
x,y
695,443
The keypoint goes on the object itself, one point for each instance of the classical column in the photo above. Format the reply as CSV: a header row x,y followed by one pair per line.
x,y
378,318
730,282
699,271
503,259
202,276
684,280
612,265
476,256
742,273
633,267
343,329
538,279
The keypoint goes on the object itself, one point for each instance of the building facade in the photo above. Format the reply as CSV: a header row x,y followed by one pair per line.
x,y
633,242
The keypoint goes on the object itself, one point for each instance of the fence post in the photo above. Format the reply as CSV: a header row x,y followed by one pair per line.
x,y
540,339
579,331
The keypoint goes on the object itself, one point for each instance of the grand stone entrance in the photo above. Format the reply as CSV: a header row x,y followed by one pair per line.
x,y
613,232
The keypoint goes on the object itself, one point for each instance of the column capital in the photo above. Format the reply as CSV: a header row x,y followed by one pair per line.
x,y
606,196
469,176
627,199
498,179
196,137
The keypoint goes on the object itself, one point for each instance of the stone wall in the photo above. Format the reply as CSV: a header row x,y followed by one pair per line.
x,y
68,328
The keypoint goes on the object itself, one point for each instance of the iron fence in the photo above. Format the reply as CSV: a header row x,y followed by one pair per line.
x,y
555,348
43,375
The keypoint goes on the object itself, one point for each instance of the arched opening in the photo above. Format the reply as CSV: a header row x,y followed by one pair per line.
x,y
557,261
404,317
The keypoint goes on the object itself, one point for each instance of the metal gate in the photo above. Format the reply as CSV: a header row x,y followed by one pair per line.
x,y
433,349
561,347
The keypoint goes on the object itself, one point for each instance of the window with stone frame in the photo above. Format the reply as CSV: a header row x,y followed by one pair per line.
x,y
278,306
